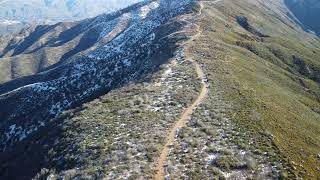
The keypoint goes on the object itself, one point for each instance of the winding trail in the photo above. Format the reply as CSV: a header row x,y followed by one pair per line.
x,y
186,115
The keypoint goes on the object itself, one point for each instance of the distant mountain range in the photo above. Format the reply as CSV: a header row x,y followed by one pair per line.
x,y
23,12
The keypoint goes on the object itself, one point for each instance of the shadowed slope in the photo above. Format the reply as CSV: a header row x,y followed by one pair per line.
x,y
139,49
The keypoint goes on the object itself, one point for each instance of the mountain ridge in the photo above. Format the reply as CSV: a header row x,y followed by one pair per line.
x,y
131,77
77,69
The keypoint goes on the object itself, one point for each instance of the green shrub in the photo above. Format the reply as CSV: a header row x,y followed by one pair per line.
x,y
228,162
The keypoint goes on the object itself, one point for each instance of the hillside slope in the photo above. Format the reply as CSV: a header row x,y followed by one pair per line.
x,y
145,39
40,48
267,67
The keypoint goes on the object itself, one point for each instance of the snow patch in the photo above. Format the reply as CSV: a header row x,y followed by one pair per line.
x,y
40,87
144,11
127,63
9,22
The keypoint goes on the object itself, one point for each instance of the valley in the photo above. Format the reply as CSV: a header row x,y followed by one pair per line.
x,y
25,13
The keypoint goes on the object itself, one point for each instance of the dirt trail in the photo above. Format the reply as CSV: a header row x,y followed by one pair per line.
x,y
160,168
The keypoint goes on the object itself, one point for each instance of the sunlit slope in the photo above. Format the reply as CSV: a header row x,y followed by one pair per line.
x,y
268,67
